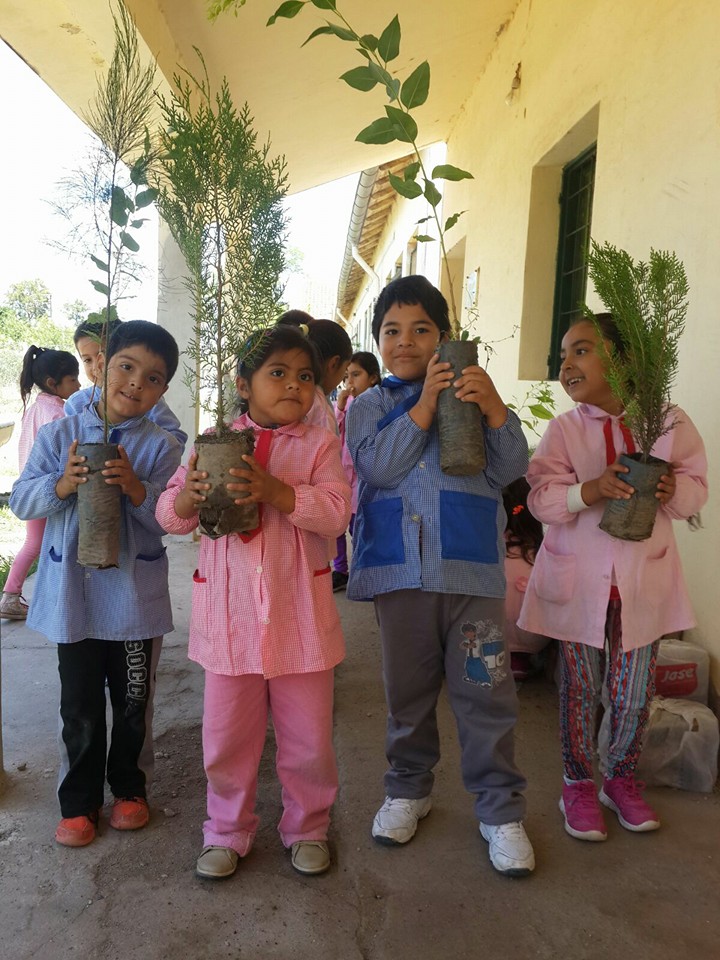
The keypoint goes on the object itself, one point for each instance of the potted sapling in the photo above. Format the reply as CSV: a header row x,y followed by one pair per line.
x,y
220,192
649,303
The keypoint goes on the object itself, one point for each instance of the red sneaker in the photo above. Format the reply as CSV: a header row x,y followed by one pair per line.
x,y
77,831
624,796
129,813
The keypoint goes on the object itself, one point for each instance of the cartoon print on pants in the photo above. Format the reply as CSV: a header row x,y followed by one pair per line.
x,y
485,656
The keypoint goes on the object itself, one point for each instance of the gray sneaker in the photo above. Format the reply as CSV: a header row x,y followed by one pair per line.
x,y
397,819
510,850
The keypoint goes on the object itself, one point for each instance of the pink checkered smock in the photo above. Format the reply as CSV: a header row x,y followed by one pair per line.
x,y
266,606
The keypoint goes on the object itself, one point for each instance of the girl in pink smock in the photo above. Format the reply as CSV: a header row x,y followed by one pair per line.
x,y
596,593
55,373
264,623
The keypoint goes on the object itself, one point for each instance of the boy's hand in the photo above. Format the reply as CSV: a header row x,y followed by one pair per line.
x,y
192,495
262,487
666,486
119,473
475,386
438,378
608,486
73,475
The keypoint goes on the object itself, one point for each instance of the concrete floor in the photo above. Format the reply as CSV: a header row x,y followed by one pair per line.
x,y
135,895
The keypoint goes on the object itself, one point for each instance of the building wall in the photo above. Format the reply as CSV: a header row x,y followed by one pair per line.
x,y
642,79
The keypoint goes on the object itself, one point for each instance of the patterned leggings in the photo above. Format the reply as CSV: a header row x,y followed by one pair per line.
x,y
631,686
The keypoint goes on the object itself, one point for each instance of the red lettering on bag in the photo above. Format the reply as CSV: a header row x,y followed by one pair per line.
x,y
676,679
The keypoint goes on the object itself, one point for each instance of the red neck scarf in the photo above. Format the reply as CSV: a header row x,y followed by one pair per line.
x,y
610,453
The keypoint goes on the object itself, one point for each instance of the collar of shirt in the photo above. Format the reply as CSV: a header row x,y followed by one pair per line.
x,y
394,383
296,429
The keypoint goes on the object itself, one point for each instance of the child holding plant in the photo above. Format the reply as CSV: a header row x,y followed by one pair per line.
x,y
108,624
88,338
598,594
55,374
429,552
362,373
264,625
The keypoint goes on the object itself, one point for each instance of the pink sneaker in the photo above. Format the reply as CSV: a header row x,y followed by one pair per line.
x,y
583,816
624,796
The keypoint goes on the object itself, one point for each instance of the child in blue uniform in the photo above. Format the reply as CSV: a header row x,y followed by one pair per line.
x,y
108,624
428,549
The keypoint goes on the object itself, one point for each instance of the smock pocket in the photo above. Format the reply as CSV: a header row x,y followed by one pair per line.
x,y
55,557
378,537
468,527
554,576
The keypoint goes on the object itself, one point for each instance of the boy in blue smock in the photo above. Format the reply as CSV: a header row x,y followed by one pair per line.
x,y
108,624
428,550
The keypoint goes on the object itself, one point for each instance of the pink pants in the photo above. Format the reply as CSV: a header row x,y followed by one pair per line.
x,y
25,556
234,729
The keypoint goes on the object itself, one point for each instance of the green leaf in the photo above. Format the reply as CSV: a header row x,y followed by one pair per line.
x,y
415,89
324,4
379,131
317,33
432,193
424,219
129,242
289,9
360,78
138,171
393,89
118,207
369,41
138,223
406,188
446,171
451,221
381,74
100,287
424,238
405,127
389,42
411,170
342,33
540,411
145,198
99,264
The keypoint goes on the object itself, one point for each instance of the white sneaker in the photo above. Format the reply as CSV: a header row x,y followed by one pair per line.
x,y
510,850
397,819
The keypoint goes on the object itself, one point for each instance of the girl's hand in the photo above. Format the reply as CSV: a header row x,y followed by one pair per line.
x,y
192,495
666,486
342,397
119,473
608,486
73,475
262,487
438,378
475,386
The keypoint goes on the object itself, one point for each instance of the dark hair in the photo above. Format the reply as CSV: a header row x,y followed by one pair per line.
x,y
608,328
467,626
525,530
95,329
40,364
145,334
409,291
368,361
264,343
329,337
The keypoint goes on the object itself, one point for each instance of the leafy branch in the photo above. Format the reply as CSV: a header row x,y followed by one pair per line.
x,y
377,52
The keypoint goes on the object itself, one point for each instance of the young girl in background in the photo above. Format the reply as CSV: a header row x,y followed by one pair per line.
x,y
523,536
594,592
55,373
362,373
264,625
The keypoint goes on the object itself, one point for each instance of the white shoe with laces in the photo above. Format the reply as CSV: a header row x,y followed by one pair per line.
x,y
510,850
397,819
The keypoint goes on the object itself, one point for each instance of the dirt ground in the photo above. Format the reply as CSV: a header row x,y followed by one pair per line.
x,y
133,896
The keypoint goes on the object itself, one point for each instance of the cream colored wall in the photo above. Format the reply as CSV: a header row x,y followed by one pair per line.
x,y
643,79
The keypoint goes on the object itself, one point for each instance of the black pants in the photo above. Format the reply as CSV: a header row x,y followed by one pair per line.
x,y
129,668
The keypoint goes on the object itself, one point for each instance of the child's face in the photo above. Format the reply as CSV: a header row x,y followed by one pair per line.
x,y
136,380
582,370
88,350
358,379
333,373
281,391
408,338
69,385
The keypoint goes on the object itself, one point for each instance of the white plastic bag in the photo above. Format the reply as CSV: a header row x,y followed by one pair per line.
x,y
683,671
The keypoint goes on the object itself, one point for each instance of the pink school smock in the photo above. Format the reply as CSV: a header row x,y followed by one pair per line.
x,y
266,606
569,588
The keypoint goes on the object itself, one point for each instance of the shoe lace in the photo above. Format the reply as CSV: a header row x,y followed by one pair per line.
x,y
632,788
583,796
514,832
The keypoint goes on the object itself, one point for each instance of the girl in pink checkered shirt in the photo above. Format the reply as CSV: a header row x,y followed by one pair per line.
x,y
264,623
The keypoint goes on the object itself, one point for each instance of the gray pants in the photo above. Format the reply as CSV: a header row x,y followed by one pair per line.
x,y
430,636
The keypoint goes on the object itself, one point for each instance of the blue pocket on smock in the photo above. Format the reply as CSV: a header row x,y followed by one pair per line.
x,y
378,536
468,527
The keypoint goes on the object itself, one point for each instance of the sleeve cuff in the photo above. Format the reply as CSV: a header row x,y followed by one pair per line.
x,y
575,502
